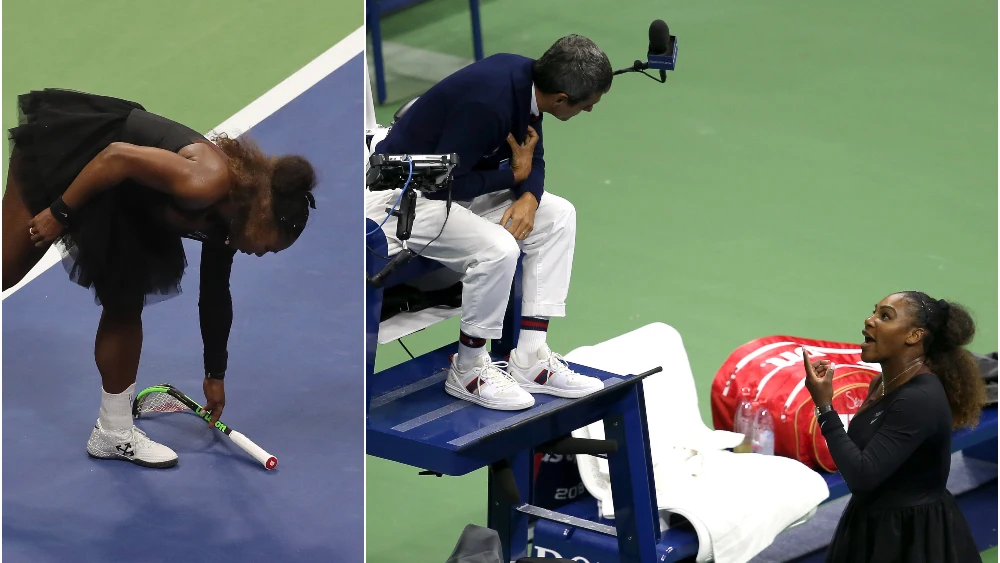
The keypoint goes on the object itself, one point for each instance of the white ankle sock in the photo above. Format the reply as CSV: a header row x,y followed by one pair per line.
x,y
116,409
531,338
469,349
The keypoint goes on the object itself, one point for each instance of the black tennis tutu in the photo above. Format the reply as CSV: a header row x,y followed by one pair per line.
x,y
935,532
117,248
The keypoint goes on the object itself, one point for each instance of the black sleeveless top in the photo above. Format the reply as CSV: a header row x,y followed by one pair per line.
x,y
215,300
150,130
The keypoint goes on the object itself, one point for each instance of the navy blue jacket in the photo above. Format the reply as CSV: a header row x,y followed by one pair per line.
x,y
470,113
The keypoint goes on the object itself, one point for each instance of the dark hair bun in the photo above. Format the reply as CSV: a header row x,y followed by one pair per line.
x,y
959,327
293,174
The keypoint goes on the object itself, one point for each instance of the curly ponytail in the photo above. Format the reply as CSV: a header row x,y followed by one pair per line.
x,y
950,328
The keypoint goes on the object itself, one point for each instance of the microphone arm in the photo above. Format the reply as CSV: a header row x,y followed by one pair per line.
x,y
640,67
637,66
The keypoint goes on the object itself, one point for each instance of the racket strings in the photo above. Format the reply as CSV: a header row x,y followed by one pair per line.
x,y
161,402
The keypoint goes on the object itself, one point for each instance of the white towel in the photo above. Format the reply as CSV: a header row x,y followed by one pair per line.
x,y
737,503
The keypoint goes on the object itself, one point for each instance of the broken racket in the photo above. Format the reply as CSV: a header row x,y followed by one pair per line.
x,y
167,398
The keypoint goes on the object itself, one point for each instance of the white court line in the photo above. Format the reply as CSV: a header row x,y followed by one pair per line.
x,y
257,111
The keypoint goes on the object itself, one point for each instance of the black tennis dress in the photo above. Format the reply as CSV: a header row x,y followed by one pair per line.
x,y
895,458
126,242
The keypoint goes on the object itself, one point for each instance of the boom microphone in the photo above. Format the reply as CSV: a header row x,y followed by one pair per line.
x,y
661,53
659,42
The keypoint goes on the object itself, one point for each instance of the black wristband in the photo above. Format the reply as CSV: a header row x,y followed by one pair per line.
x,y
828,421
62,213
219,375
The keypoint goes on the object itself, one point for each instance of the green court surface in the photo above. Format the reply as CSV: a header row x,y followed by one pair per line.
x,y
802,162
195,62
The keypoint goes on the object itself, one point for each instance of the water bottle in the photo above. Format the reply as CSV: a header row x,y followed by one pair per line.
x,y
763,431
743,423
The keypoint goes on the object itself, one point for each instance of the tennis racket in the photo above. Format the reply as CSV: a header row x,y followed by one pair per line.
x,y
167,398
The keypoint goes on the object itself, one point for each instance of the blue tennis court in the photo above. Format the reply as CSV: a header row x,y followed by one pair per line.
x,y
294,386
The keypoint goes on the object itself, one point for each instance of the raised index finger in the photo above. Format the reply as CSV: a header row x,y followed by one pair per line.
x,y
805,360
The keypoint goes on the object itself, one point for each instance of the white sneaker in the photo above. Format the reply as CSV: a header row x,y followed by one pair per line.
x,y
487,384
129,445
550,374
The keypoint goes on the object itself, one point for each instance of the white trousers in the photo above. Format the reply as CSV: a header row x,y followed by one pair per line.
x,y
475,245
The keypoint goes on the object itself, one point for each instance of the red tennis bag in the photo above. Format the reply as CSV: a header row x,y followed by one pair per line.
x,y
772,369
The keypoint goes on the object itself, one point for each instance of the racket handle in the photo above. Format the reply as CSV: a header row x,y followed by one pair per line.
x,y
258,453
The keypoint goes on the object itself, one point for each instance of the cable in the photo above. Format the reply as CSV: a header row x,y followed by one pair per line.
x,y
447,213
398,199
389,213
377,255
664,81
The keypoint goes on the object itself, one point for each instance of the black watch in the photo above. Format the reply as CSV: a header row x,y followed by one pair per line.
x,y
220,375
823,410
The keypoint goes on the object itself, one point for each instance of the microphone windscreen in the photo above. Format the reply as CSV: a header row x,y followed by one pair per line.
x,y
659,37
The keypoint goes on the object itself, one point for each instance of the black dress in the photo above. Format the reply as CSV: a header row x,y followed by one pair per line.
x,y
895,459
123,245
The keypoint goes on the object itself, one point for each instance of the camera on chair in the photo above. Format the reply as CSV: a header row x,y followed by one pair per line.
x,y
430,173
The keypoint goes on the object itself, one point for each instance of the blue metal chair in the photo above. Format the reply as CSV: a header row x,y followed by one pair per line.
x,y
411,420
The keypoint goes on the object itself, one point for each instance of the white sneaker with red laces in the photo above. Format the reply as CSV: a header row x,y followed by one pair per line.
x,y
549,374
487,384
